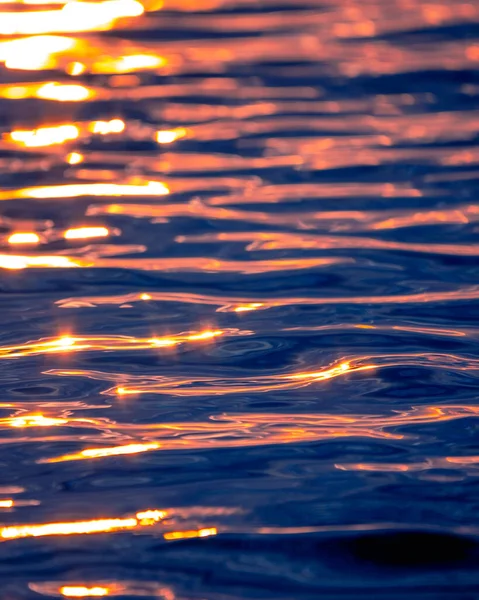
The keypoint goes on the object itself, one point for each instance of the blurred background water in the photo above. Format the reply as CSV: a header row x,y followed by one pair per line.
x,y
238,293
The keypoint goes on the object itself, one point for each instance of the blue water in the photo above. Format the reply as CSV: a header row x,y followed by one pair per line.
x,y
264,367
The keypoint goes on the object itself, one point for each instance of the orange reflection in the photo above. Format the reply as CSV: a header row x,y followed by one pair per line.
x,y
73,16
75,55
107,342
130,589
33,53
106,127
433,462
128,63
167,137
63,92
24,238
149,188
198,385
10,261
80,591
45,136
74,158
259,429
249,307
230,303
82,527
105,452
33,421
51,90
74,528
187,535
61,134
82,233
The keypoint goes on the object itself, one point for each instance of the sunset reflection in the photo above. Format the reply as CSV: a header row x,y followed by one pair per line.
x,y
80,527
82,233
238,266
188,535
80,591
72,17
24,238
67,343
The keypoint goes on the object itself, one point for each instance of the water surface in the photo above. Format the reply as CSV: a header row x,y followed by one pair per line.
x,y
238,293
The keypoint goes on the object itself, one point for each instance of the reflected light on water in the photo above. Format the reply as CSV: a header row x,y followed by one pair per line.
x,y
127,64
339,211
191,534
259,429
106,127
14,262
80,591
105,452
82,527
33,421
45,136
74,158
72,17
33,53
68,343
149,188
24,238
82,233
248,307
75,528
168,137
63,92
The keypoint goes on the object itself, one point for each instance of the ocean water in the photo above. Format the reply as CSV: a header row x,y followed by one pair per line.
x,y
239,290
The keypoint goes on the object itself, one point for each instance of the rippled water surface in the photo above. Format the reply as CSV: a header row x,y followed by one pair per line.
x,y
238,299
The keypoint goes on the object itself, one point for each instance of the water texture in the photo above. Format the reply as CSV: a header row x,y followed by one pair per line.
x,y
238,299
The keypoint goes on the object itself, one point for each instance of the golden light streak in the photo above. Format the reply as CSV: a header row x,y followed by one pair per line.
x,y
145,297
150,517
72,17
127,63
111,342
75,68
205,335
187,535
105,452
333,372
52,90
63,92
149,188
80,591
141,519
34,421
249,307
45,136
162,343
73,528
74,158
33,53
6,503
24,238
82,233
13,262
63,342
167,137
107,127
61,134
